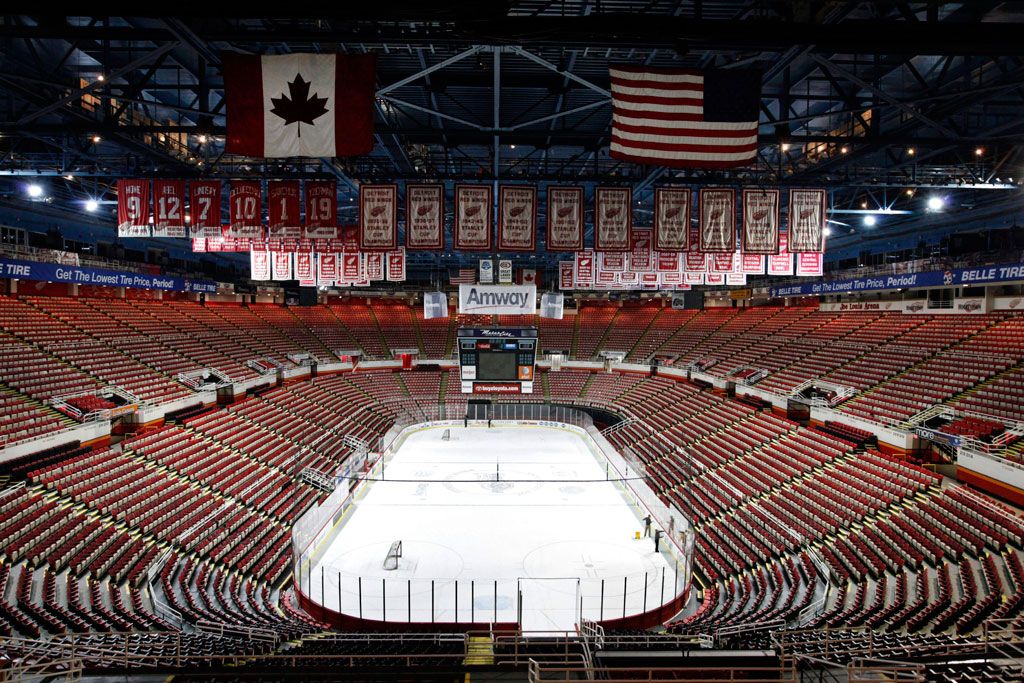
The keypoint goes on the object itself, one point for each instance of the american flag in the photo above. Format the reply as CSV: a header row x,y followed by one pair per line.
x,y
463,276
685,118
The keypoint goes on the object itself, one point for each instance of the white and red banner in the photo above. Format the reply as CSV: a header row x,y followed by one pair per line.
x,y
528,276
133,208
245,219
641,258
760,229
378,217
667,261
809,263
566,275
674,279
169,208
374,266
396,266
807,215
204,208
517,218
305,268
327,269
613,261
583,276
352,267
723,263
692,278
198,245
424,217
321,210
752,264
735,278
282,265
781,263
259,265
714,278
671,218
605,278
565,218
695,262
613,218
283,219
299,105
473,217
717,224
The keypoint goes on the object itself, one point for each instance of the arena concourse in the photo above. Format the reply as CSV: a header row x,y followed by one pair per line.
x,y
535,342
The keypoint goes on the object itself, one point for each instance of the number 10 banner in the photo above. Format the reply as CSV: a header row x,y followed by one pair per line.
x,y
245,211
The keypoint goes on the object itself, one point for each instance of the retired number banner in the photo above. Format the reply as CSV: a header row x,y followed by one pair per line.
x,y
283,209
133,208
807,220
671,218
204,208
717,226
760,221
321,210
169,208
517,218
613,218
378,217
245,211
473,217
424,217
396,266
565,218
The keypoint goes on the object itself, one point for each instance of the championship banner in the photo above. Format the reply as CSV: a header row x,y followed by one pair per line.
x,y
378,217
351,267
613,262
348,238
723,263
204,208
605,278
809,264
517,218
667,262
671,218
396,266
133,208
321,210
199,245
327,268
752,264
695,262
735,278
714,278
613,218
486,272
304,263
717,208
245,219
283,209
583,275
473,217
565,275
807,210
259,265
641,259
649,280
504,272
424,217
282,265
692,278
375,266
629,277
672,279
760,229
498,299
565,218
169,208
781,263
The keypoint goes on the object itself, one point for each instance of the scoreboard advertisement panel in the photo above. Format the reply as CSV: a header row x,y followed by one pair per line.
x,y
497,360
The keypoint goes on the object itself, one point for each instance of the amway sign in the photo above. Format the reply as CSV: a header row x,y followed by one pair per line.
x,y
498,299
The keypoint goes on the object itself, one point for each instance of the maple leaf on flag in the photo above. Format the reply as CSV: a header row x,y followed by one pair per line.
x,y
300,107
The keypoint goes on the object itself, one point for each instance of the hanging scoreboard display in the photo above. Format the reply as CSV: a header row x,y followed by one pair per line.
x,y
497,360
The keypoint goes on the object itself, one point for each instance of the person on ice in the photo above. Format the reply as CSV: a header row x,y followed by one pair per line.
x,y
647,526
657,539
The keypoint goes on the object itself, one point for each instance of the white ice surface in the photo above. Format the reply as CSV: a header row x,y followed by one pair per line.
x,y
527,507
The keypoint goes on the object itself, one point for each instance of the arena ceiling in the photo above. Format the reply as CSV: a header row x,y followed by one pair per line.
x,y
884,103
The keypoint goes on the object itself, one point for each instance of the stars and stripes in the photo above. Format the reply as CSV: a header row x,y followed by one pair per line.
x,y
463,276
683,117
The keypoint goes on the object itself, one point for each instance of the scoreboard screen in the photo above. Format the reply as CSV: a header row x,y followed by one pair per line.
x,y
499,360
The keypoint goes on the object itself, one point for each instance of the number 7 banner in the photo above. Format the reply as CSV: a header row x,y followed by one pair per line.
x,y
204,208
169,208
245,213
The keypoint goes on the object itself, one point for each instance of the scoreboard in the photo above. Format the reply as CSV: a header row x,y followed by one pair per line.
x,y
497,360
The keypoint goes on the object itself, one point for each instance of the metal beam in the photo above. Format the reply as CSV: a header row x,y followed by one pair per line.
x,y
429,70
548,65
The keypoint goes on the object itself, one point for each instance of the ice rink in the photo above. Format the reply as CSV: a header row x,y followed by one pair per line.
x,y
484,517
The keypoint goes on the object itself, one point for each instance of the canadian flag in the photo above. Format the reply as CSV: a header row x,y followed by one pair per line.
x,y
529,276
299,105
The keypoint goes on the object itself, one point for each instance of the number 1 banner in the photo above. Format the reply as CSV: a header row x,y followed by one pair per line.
x,y
245,211
133,208
283,210
204,208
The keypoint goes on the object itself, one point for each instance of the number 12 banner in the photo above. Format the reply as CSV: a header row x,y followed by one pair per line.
x,y
169,208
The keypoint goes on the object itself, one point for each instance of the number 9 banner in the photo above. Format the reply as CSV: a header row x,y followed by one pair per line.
x,y
133,208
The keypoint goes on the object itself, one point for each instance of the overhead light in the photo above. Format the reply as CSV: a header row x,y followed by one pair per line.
x,y
844,149
101,78
827,231
870,221
69,176
979,151
512,146
785,146
35,191
96,139
91,205
863,205
910,151
935,203
202,139
910,193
